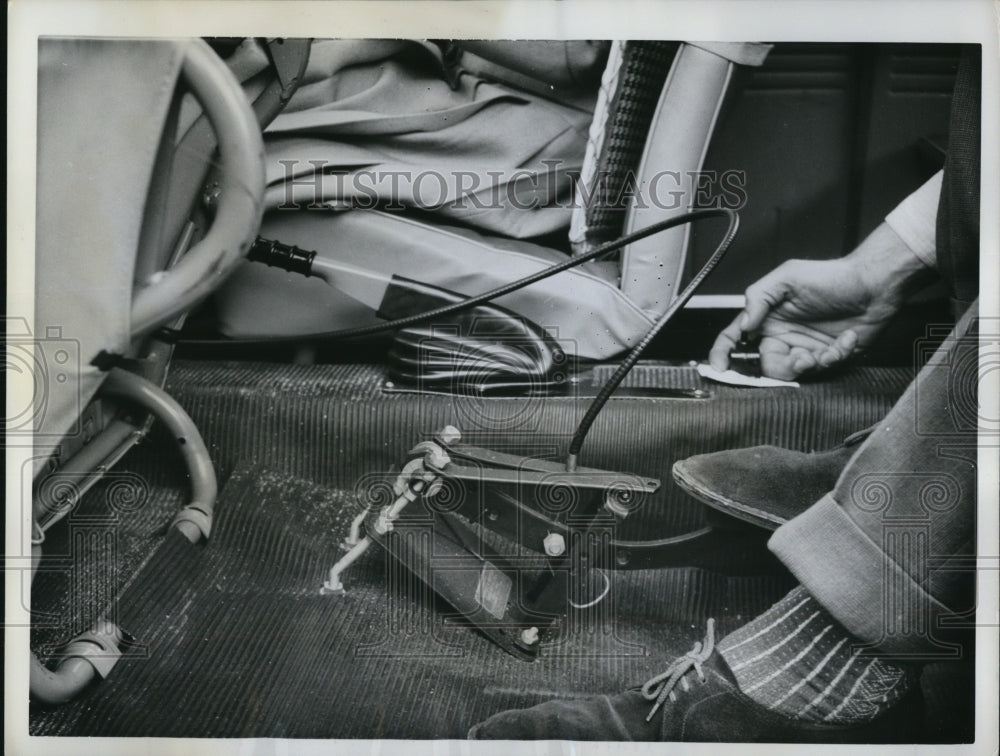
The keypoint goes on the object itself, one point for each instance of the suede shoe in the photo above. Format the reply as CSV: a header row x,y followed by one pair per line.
x,y
695,700
764,485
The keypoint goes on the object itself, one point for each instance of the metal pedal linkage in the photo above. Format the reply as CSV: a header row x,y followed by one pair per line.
x,y
563,520
566,511
410,483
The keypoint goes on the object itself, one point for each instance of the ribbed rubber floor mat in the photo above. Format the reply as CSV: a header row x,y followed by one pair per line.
x,y
234,640
336,423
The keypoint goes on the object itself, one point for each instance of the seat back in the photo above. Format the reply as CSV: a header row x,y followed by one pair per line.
x,y
131,132
101,108
654,120
365,120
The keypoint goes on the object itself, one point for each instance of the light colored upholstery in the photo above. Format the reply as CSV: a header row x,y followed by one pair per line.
x,y
374,112
588,312
652,268
101,109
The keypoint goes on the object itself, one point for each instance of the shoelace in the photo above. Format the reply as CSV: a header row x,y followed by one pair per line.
x,y
658,688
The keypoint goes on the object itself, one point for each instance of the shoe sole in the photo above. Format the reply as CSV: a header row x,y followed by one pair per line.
x,y
739,510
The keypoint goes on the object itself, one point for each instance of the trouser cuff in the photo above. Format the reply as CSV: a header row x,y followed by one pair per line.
x,y
859,584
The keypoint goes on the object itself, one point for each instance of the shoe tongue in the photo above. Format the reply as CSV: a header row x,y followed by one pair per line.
x,y
718,664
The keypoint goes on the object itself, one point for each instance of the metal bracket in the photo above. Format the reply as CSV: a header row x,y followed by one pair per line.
x,y
197,517
562,518
485,587
99,646
578,384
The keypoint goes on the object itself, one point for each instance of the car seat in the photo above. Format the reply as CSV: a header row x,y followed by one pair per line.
x,y
138,221
651,115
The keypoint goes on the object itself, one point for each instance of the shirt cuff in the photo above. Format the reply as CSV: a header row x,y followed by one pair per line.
x,y
915,220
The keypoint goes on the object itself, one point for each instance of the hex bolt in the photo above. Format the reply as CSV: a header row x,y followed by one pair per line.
x,y
618,501
555,544
529,636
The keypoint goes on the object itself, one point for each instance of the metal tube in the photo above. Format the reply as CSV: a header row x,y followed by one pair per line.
x,y
75,673
64,684
77,475
382,525
355,533
95,652
195,520
333,583
241,195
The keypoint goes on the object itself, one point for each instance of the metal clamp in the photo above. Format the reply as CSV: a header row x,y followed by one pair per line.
x,y
199,518
98,646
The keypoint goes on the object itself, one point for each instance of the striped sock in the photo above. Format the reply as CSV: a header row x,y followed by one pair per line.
x,y
799,661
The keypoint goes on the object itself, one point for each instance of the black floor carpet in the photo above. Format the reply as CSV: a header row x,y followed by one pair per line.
x,y
233,639
335,424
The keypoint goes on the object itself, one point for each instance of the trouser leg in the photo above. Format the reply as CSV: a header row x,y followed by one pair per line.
x,y
888,551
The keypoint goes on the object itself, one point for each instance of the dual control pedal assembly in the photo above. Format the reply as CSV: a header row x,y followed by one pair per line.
x,y
454,505
452,500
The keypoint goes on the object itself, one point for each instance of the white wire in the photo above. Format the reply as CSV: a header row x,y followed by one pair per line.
x,y
599,599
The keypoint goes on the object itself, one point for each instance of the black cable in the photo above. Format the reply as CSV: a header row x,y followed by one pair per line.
x,y
629,362
292,258
410,320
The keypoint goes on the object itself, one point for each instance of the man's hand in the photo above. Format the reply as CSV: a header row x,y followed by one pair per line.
x,y
813,314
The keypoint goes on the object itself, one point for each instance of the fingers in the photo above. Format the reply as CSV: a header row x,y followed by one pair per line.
x,y
796,340
761,297
777,359
755,311
785,361
718,356
802,361
842,348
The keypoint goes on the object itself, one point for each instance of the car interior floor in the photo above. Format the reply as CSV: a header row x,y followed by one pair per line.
x,y
233,638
